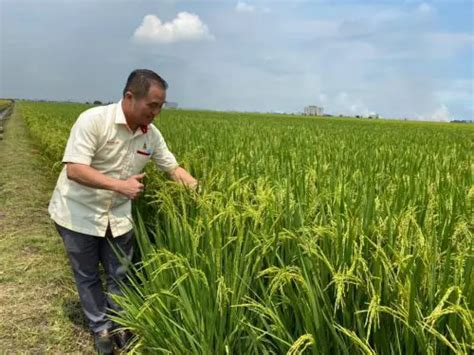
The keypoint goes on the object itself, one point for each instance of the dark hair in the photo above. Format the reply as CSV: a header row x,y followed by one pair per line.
x,y
140,80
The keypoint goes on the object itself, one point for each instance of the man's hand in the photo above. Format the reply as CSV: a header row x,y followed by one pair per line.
x,y
132,187
182,176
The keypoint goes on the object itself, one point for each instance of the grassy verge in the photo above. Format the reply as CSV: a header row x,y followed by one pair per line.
x,y
39,307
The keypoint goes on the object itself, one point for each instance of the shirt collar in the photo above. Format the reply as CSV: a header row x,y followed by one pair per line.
x,y
120,118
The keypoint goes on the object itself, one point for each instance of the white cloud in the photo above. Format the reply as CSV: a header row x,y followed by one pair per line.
x,y
440,114
244,7
425,8
185,27
348,104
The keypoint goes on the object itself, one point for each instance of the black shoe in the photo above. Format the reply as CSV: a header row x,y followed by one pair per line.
x,y
103,342
122,338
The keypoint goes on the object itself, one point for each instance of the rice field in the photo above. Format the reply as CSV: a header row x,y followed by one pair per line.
x,y
309,235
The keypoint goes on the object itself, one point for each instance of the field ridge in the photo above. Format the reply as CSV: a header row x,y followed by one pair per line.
x,y
39,310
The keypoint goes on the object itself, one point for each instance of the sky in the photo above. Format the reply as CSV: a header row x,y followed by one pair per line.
x,y
399,59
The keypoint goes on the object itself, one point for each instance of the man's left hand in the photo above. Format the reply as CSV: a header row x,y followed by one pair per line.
x,y
180,175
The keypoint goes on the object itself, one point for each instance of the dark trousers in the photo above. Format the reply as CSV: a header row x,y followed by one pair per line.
x,y
85,252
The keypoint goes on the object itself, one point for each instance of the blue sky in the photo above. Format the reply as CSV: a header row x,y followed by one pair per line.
x,y
400,59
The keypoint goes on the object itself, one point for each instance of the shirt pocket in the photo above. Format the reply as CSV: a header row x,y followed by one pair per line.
x,y
140,159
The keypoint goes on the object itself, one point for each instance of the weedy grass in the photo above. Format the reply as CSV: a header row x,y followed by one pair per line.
x,y
310,235
39,307
4,103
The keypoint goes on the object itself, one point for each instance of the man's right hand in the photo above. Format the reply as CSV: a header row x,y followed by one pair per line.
x,y
132,187
88,176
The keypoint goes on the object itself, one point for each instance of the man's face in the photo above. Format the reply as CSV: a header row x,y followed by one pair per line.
x,y
144,110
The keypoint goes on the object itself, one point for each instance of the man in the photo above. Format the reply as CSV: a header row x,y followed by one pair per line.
x,y
91,205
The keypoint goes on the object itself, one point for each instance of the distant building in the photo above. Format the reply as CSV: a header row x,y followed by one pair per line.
x,y
169,104
313,111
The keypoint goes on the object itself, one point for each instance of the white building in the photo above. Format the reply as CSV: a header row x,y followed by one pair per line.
x,y
313,111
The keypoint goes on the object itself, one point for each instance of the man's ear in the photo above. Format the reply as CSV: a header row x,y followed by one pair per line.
x,y
128,95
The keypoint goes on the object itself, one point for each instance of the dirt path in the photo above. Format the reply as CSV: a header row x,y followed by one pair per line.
x,y
39,309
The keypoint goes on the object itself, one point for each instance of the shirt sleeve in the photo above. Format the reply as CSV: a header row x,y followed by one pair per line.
x,y
83,140
163,158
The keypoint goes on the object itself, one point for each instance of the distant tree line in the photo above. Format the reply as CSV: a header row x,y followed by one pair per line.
x,y
462,121
98,103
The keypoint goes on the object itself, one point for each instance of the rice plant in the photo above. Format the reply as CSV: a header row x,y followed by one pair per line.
x,y
310,235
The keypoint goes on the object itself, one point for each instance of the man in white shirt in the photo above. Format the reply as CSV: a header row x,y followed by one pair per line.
x,y
91,205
